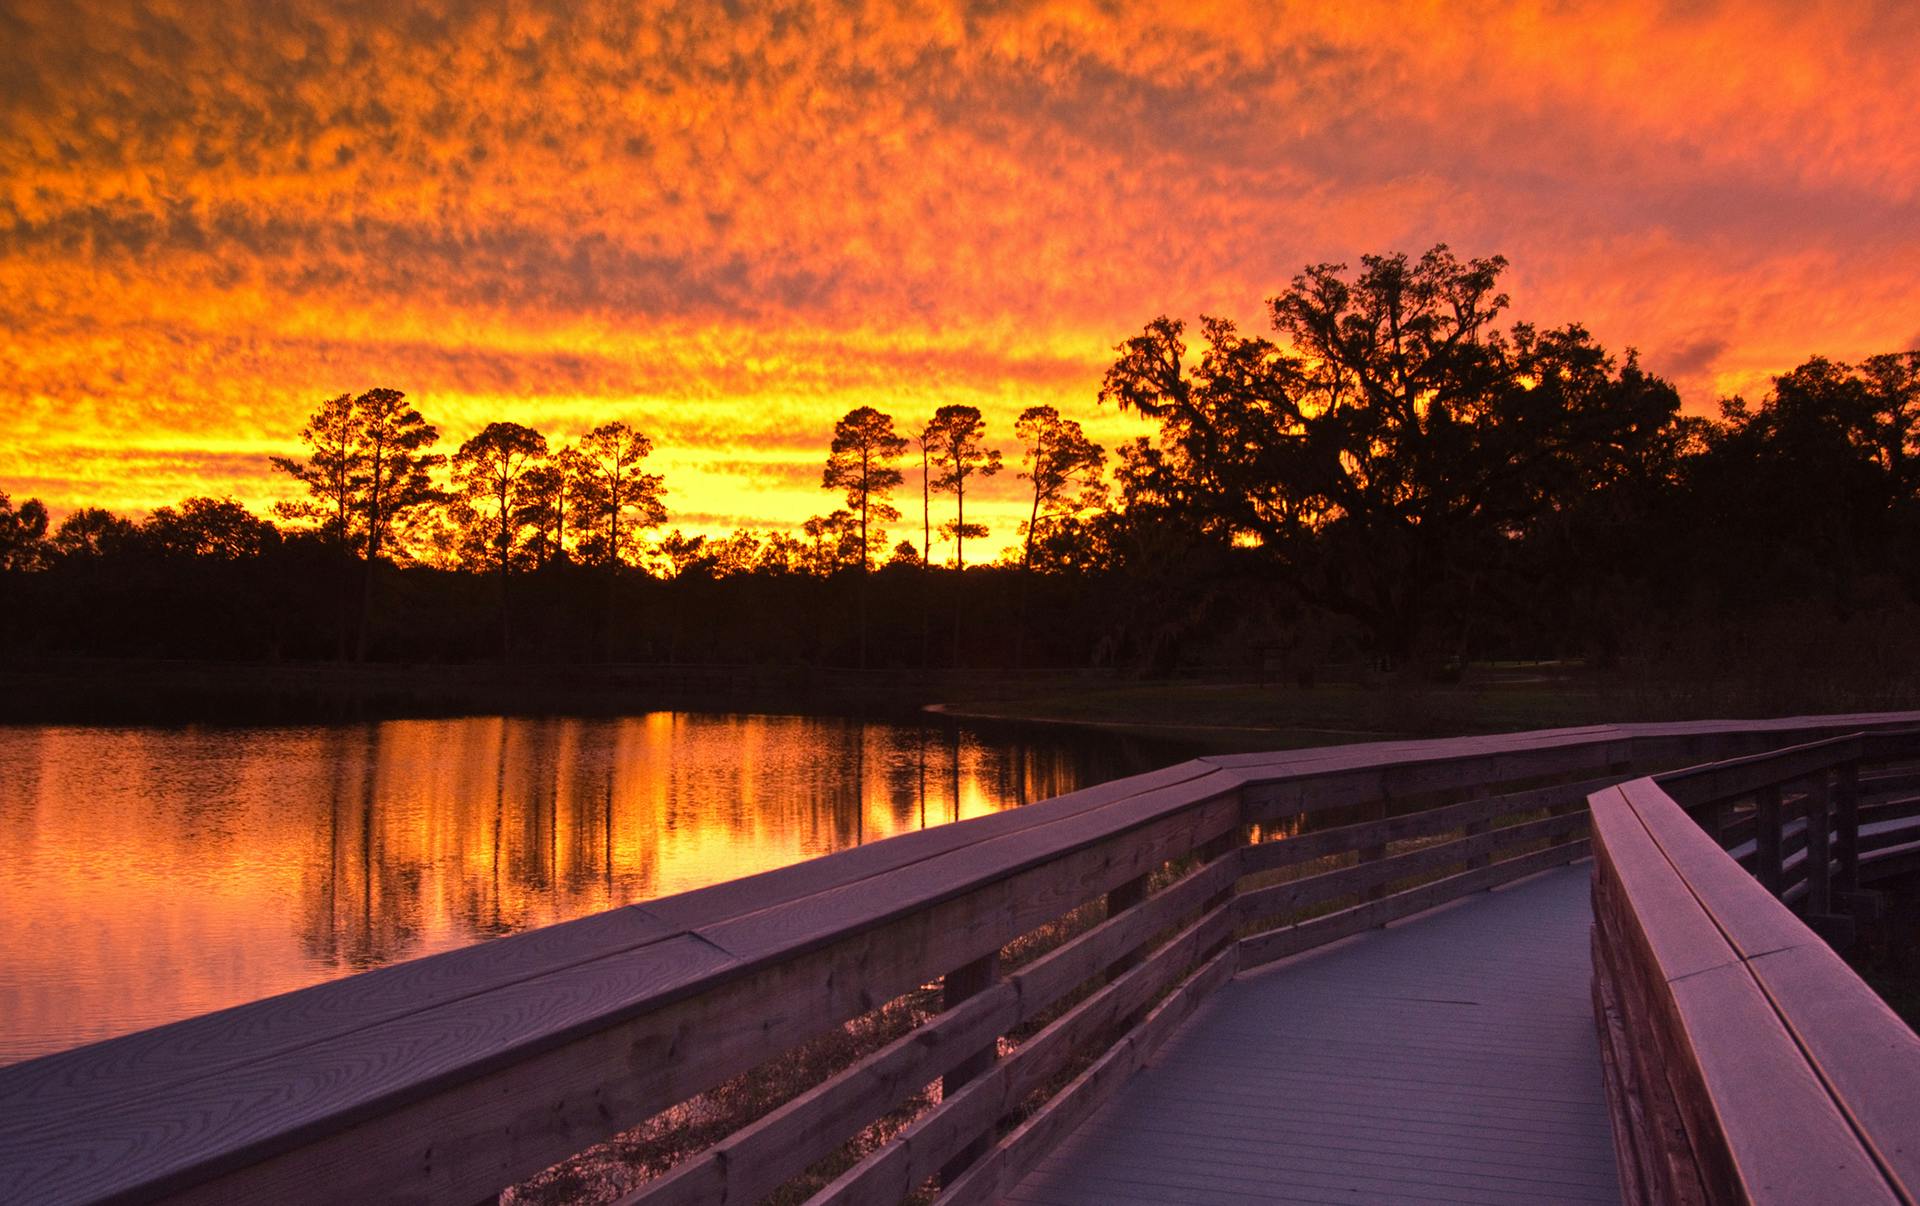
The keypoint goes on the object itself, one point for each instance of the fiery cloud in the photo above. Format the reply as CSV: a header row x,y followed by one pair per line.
x,y
732,223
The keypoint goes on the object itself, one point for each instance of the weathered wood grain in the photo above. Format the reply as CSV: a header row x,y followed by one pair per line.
x,y
185,1133
1116,843
1291,940
1863,1053
797,881
755,1160
1632,1138
1285,852
1732,777
57,1091
1746,1039
476,1149
1016,1154
1315,889
446,1078
891,1172
1447,1059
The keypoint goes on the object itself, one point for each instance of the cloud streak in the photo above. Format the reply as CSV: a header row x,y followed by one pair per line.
x,y
733,223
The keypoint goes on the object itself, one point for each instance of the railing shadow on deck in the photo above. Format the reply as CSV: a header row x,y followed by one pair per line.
x,y
1744,1061
447,1078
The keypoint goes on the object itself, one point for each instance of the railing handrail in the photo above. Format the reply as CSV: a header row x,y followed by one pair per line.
x,y
1731,1024
464,1071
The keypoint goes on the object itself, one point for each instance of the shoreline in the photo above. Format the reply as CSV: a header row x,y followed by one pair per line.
x,y
166,693
1237,737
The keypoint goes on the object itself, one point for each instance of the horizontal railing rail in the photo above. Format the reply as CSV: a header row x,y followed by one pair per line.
x,y
1744,1061
1051,948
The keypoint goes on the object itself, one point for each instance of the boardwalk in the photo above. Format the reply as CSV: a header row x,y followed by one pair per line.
x,y
1451,1058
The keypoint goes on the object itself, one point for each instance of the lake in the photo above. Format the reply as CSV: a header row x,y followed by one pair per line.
x,y
151,874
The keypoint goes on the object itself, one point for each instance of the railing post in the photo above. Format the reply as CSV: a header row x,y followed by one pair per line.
x,y
1713,819
1767,838
1846,835
1854,901
967,980
1836,928
1478,791
1373,854
1819,893
1119,900
1211,850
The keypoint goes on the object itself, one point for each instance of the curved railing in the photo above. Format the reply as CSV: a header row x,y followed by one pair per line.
x,y
1065,940
1745,1062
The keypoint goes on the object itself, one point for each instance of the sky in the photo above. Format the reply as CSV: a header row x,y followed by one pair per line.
x,y
729,224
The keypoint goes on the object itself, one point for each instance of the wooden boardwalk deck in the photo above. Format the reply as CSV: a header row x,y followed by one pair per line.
x,y
1448,1058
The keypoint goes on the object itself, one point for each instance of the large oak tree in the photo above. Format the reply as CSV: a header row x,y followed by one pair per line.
x,y
1394,440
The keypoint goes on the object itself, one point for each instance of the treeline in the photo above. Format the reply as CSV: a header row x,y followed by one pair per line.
x,y
1396,476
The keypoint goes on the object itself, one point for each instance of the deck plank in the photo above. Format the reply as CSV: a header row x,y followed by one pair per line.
x,y
1446,1058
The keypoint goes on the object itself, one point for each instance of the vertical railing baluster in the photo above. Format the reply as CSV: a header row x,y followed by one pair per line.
x,y
1237,836
1846,836
1119,900
1766,838
1712,818
969,979
1373,854
1474,828
1819,808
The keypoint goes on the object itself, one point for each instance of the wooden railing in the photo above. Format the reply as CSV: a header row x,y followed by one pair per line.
x,y
1744,1061
448,1078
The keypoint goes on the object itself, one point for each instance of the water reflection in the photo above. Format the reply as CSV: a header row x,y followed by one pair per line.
x,y
155,874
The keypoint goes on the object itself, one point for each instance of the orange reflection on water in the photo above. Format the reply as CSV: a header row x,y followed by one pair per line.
x,y
156,874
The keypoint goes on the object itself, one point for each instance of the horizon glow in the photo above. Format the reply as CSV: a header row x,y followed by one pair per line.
x,y
731,225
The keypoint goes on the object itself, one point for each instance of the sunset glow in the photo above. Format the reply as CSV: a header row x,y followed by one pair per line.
x,y
309,854
729,225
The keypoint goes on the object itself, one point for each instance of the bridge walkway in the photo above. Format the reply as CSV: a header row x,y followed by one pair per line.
x,y
1450,1057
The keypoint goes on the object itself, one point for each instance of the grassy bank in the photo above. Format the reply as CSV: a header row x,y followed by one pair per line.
x,y
107,691
1487,700
1212,711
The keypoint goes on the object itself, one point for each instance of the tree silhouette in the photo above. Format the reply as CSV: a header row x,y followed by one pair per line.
x,y
1059,457
91,532
860,462
836,542
683,554
23,548
622,498
552,491
1892,385
368,467
490,470
23,531
956,439
334,473
218,528
924,439
1810,491
397,477
1390,459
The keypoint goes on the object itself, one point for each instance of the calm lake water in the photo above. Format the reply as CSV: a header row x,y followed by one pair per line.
x,y
152,874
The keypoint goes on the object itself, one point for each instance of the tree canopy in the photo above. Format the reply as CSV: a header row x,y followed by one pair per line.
x,y
860,462
1396,472
1397,440
956,440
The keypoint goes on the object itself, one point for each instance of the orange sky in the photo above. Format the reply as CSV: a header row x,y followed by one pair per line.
x,y
729,224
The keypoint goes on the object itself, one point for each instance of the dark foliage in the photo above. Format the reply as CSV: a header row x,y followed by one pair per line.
x,y
1397,478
